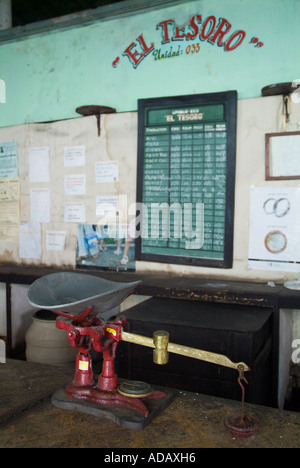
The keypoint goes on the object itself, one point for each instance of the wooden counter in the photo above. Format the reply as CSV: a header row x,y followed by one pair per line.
x,y
191,421
175,287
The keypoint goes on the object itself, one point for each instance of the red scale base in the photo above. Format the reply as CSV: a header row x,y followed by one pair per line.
x,y
104,399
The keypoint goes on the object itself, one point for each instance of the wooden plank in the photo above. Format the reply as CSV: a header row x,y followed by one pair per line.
x,y
25,384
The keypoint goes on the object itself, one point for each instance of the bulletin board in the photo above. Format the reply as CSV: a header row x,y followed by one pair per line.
x,y
186,179
60,176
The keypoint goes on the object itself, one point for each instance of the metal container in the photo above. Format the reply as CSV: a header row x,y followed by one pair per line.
x,y
73,292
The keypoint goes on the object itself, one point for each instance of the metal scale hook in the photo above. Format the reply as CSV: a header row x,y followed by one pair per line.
x,y
241,425
240,378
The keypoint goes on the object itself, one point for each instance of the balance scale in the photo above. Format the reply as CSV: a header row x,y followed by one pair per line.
x,y
84,305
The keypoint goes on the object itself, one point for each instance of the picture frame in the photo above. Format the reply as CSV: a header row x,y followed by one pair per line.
x,y
282,156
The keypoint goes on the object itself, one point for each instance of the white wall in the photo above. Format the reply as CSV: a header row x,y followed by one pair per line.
x,y
118,141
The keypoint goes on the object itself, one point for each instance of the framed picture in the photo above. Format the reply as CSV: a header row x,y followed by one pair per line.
x,y
186,179
282,158
105,247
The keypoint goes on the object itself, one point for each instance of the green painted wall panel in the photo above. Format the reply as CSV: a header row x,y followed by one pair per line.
x,y
48,75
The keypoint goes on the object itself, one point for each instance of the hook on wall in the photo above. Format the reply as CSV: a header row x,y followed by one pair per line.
x,y
284,89
97,111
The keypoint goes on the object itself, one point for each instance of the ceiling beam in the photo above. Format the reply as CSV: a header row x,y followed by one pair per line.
x,y
84,18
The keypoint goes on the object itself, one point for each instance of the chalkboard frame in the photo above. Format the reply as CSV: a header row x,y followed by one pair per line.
x,y
230,99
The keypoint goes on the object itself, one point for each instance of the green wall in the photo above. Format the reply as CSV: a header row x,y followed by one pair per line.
x,y
48,75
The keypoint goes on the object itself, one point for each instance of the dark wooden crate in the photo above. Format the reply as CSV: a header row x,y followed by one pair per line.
x,y
242,333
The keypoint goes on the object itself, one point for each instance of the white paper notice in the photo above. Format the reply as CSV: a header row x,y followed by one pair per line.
x,y
30,241
107,206
74,156
40,205
9,159
285,156
9,209
74,212
274,229
75,184
39,164
106,171
56,240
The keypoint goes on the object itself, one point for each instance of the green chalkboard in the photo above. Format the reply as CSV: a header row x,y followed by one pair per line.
x,y
186,178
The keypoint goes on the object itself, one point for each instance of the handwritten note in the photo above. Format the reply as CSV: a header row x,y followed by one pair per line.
x,y
74,156
107,206
56,240
106,171
75,184
74,212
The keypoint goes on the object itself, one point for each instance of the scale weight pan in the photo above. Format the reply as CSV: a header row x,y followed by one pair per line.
x,y
72,293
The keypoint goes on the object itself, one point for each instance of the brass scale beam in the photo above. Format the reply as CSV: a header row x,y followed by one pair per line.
x,y
162,347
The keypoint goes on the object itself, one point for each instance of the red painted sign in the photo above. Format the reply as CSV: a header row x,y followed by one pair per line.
x,y
213,30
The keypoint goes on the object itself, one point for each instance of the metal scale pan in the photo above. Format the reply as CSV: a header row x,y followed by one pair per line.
x,y
71,293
